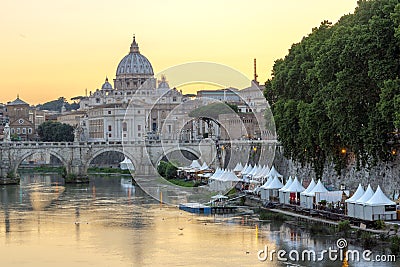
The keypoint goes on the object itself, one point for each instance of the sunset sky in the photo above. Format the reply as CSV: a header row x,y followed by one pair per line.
x,y
58,48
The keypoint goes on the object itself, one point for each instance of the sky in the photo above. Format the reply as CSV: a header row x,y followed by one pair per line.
x,y
60,48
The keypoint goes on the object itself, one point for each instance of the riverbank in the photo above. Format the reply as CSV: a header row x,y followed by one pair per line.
x,y
388,237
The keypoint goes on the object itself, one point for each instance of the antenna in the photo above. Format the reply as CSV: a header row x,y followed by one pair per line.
x,y
255,70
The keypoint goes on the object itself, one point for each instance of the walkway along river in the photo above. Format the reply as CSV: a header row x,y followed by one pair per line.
x,y
109,222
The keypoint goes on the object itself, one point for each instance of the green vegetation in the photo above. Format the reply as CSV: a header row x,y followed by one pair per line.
x,y
44,169
336,95
107,170
167,169
380,224
51,131
56,105
213,110
273,216
344,227
395,244
184,183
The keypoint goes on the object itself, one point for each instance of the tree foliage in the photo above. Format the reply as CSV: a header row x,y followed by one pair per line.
x,y
56,105
213,110
337,92
167,170
51,131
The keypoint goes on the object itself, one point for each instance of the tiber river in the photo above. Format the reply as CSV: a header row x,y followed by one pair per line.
x,y
111,223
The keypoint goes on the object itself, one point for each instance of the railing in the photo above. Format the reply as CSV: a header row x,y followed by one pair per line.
x,y
19,144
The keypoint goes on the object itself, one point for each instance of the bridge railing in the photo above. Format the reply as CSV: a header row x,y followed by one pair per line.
x,y
20,144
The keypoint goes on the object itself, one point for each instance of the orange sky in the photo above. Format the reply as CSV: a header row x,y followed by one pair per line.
x,y
58,48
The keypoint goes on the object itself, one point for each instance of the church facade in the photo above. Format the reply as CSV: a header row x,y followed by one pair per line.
x,y
134,108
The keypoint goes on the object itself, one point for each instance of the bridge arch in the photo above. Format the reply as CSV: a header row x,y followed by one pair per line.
x,y
32,152
165,153
111,149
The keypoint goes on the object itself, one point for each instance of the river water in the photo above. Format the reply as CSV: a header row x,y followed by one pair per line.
x,y
109,222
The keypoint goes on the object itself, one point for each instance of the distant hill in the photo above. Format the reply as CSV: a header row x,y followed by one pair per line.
x,y
57,104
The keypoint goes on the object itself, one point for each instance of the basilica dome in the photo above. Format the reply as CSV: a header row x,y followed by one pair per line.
x,y
135,63
106,85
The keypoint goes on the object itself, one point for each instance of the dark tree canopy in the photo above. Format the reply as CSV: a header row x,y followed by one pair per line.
x,y
56,105
213,110
336,94
51,131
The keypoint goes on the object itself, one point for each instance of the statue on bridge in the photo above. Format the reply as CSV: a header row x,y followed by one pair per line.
x,y
6,133
78,131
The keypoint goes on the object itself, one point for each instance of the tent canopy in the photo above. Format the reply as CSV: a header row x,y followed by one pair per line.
x,y
309,188
275,184
195,164
295,186
366,196
359,192
273,172
318,188
288,183
379,199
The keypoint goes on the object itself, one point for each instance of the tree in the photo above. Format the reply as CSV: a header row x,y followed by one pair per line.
x,y
51,131
336,93
56,105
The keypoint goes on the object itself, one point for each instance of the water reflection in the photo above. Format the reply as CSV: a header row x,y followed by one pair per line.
x,y
111,222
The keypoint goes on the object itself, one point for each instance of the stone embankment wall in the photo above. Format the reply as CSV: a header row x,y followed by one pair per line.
x,y
386,175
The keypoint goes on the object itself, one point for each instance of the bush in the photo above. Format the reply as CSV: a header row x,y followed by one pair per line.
x,y
167,169
344,226
380,224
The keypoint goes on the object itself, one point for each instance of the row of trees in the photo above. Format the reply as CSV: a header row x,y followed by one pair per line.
x,y
337,92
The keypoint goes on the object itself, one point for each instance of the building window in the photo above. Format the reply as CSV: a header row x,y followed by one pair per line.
x,y
12,130
139,127
169,128
174,99
109,112
124,134
18,131
139,134
97,100
138,112
29,130
124,126
109,128
24,130
109,135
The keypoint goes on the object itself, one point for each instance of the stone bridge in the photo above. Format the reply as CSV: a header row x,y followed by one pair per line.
x,y
77,156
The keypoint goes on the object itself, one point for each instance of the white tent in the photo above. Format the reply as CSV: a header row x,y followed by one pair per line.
x,y
195,164
351,201
126,164
247,170
379,207
273,172
313,196
238,167
303,199
204,167
272,189
292,193
263,189
359,204
281,194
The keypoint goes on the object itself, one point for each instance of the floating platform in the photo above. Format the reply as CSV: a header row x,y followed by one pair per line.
x,y
203,209
195,208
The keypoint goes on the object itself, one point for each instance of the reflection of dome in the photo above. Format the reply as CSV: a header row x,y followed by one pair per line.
x,y
134,62
106,85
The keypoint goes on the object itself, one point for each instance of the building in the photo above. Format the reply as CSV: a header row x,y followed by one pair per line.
x,y
136,108
21,119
